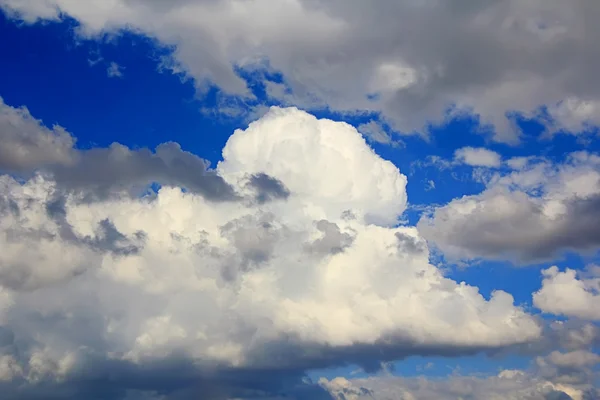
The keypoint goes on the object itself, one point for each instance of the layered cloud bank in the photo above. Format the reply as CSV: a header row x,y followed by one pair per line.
x,y
412,62
285,257
566,373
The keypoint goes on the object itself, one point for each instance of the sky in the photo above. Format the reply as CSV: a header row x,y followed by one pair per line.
x,y
302,199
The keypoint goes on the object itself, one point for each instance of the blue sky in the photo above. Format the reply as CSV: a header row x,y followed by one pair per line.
x,y
142,83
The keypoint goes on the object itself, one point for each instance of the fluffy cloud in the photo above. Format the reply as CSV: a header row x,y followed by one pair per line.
x,y
409,61
527,213
174,291
478,157
563,294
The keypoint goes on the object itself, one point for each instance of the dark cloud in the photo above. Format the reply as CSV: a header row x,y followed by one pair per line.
x,y
333,240
268,188
100,172
278,371
523,232
26,144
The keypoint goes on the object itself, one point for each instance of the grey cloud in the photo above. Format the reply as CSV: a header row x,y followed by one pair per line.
x,y
333,240
176,378
254,238
374,132
557,395
26,144
117,168
525,233
411,244
276,371
268,188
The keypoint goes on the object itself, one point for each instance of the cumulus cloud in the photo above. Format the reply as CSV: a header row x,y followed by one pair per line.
x,y
174,292
412,63
477,157
562,293
525,214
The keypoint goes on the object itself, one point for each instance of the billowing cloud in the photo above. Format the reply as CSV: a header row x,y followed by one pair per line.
x,y
528,213
562,293
414,63
173,291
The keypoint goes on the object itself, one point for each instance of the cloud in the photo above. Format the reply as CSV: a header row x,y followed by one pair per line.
x,y
174,294
25,143
574,359
114,70
477,157
27,146
100,172
524,215
414,64
268,188
566,375
374,132
563,294
507,385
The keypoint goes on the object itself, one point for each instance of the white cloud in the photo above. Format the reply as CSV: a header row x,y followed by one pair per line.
x,y
410,62
318,274
530,213
563,294
477,157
